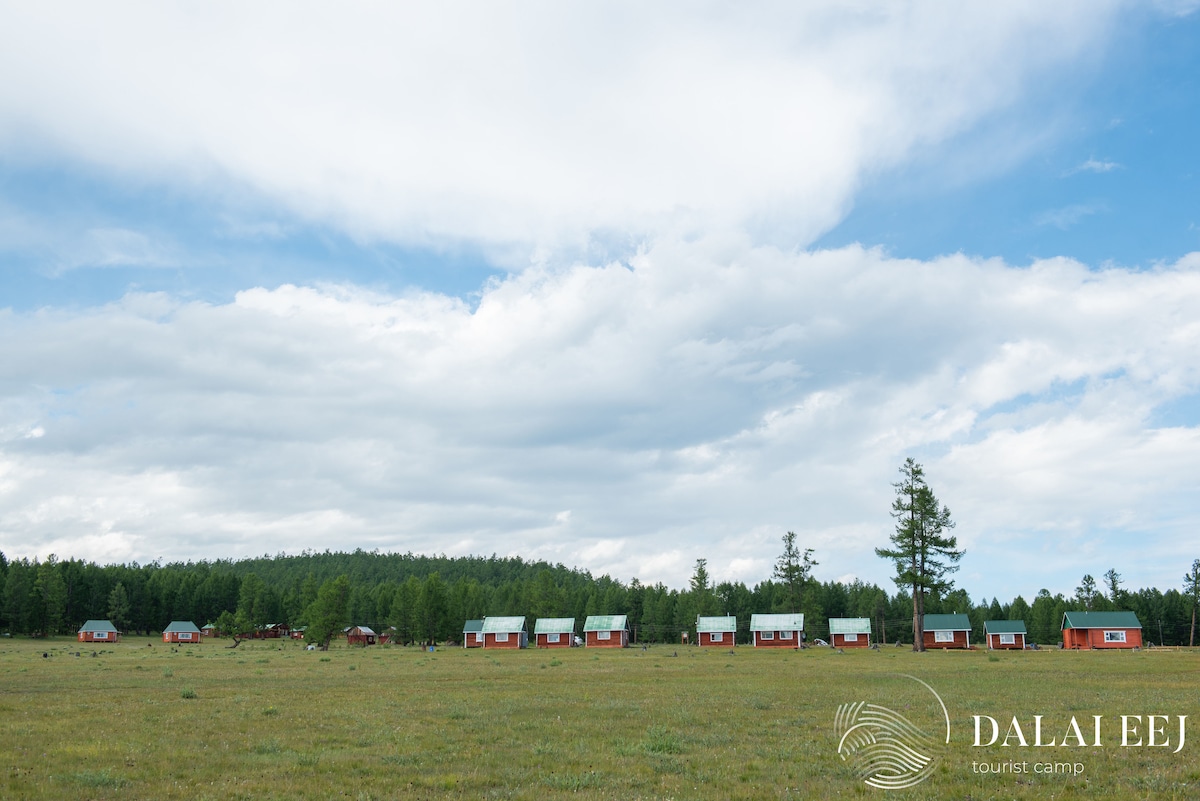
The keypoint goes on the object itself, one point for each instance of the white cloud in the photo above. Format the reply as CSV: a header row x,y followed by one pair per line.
x,y
521,126
696,403
1094,165
1067,216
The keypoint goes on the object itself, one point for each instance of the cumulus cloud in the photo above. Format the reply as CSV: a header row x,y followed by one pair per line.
x,y
523,126
697,401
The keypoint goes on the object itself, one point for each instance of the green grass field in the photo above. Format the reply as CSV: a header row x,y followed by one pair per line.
x,y
270,720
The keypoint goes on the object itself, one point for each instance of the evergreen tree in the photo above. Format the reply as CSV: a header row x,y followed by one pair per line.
x,y
50,598
794,570
922,552
329,614
1113,581
1191,590
1085,593
118,606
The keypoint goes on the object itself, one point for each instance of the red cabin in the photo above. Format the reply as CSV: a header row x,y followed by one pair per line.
x,y
777,631
716,632
99,631
1101,630
183,632
850,632
1005,635
947,631
504,632
606,631
360,635
554,632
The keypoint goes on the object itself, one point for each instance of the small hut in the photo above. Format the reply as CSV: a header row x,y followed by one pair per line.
x,y
1005,634
606,631
554,632
850,632
99,631
716,632
777,631
360,635
473,634
947,631
209,629
1101,630
298,632
181,631
505,632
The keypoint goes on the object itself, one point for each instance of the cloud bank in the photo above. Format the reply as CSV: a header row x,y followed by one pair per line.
x,y
629,417
523,126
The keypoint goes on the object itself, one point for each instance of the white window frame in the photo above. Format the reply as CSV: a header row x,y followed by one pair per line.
x,y
603,635
943,636
715,636
766,635
785,635
552,637
849,638
1008,639
502,636
1114,636
99,635
479,636
185,635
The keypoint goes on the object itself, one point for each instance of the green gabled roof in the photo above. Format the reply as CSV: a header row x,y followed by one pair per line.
x,y
98,625
363,630
785,622
947,623
705,625
849,625
554,625
472,626
1004,627
1100,620
181,626
503,625
606,623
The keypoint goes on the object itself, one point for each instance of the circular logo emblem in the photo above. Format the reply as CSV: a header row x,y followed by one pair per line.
x,y
890,745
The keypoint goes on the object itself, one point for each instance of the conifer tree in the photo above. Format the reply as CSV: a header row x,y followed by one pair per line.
x,y
922,551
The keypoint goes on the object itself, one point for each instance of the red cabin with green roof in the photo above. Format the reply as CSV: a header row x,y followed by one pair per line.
x,y
1101,630
1004,635
947,631
554,632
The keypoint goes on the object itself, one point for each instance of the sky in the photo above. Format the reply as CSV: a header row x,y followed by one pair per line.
x,y
614,286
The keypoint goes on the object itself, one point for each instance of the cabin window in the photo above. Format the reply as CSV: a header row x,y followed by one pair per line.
x,y
551,638
1008,639
502,636
767,635
603,635
785,635
943,636
479,636
185,635
1114,636
100,635
715,636
850,637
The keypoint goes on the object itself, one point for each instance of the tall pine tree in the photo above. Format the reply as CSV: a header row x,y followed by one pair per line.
x,y
922,551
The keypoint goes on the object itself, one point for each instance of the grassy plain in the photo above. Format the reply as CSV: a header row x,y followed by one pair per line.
x,y
144,720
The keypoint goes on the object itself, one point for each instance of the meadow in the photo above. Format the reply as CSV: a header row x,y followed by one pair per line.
x,y
141,719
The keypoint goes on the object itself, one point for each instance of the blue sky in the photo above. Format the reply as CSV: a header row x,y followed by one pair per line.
x,y
618,287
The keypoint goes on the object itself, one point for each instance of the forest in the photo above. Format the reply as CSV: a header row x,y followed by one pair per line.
x,y
427,598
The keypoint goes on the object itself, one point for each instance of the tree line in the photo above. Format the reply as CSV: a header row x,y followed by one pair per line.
x,y
427,598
